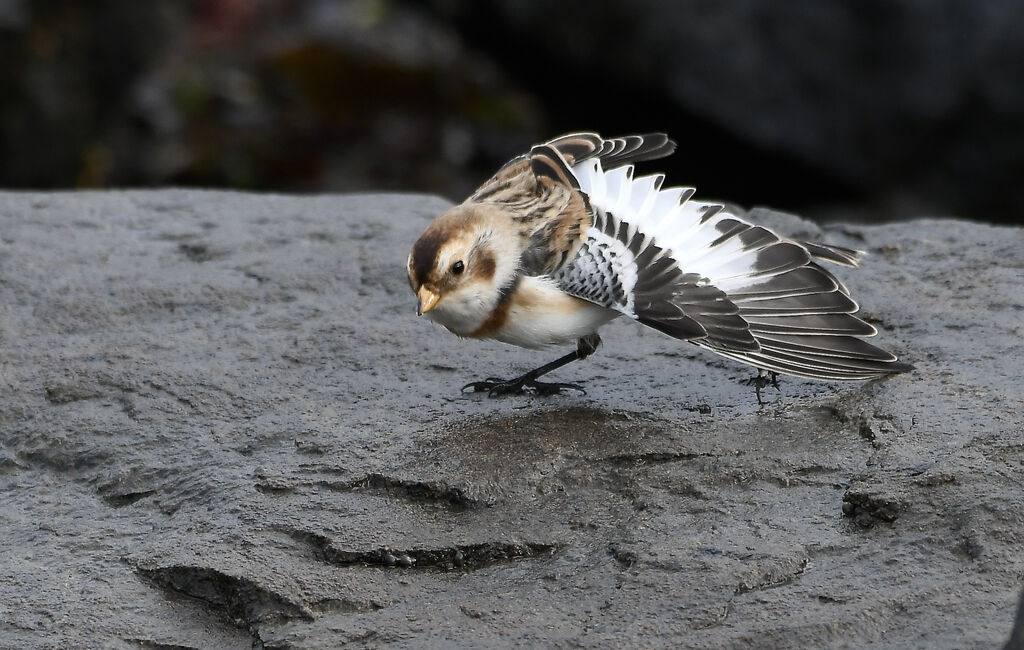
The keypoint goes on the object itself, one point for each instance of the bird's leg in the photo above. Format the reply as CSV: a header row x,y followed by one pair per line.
x,y
495,387
764,379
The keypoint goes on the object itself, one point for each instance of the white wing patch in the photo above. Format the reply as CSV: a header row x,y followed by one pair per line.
x,y
682,225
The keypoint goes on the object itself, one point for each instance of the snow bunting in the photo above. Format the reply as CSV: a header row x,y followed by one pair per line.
x,y
565,238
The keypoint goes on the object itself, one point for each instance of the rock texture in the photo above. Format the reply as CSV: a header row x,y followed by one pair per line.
x,y
223,426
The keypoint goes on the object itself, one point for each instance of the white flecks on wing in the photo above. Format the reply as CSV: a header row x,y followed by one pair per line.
x,y
622,266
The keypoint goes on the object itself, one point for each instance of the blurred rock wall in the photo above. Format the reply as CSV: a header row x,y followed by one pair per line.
x,y
259,94
903,106
872,110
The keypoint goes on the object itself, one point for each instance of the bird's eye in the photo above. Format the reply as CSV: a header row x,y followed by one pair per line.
x,y
458,267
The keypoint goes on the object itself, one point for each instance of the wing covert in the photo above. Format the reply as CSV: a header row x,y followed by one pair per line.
x,y
620,268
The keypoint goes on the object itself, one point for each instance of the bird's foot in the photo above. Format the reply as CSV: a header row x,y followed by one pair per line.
x,y
495,387
763,380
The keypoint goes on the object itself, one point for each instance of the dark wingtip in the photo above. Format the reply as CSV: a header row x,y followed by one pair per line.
x,y
896,367
655,145
836,254
661,141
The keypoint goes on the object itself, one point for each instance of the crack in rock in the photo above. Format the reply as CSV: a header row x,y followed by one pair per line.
x,y
420,492
655,458
460,557
149,644
245,603
122,499
345,606
200,252
275,487
424,493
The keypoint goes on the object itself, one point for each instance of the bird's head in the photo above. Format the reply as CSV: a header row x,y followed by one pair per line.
x,y
459,264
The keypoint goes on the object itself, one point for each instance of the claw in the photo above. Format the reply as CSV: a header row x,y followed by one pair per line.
x,y
553,388
498,387
489,384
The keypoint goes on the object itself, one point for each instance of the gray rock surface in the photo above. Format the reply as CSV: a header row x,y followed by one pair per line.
x,y
222,425
1016,641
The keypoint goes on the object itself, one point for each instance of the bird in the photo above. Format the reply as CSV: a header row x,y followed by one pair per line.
x,y
567,237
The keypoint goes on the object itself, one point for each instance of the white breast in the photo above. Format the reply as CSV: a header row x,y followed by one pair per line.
x,y
541,314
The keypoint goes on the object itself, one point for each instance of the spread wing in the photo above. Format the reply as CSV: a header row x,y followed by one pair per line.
x,y
621,268
696,271
701,273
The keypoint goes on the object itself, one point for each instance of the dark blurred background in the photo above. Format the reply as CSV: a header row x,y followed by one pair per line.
x,y
870,110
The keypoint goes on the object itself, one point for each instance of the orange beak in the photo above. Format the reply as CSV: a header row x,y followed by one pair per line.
x,y
427,300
